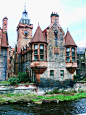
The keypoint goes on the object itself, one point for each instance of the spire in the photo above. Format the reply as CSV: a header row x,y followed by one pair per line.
x,y
25,7
25,19
67,30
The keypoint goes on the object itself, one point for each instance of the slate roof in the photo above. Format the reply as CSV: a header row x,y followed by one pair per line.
x,y
81,50
38,36
69,40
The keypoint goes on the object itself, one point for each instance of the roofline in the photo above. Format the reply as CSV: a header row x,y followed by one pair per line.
x,y
39,42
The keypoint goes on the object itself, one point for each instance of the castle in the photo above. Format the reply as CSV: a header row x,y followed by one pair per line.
x,y
48,54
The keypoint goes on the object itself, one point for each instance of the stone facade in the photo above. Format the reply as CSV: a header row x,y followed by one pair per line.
x,y
3,50
49,55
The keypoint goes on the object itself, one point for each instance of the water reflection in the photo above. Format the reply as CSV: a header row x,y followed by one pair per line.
x,y
64,108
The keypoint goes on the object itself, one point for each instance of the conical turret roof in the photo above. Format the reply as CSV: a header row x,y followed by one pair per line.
x,y
38,36
69,40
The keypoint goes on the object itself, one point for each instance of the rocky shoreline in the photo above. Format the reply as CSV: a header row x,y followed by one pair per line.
x,y
35,99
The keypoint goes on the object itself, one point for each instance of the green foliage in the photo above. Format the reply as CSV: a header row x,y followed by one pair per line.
x,y
84,79
13,80
23,77
4,82
76,76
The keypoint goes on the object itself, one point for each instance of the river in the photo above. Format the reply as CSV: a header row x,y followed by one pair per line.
x,y
75,107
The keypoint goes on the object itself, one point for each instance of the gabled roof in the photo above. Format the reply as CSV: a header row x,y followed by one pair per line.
x,y
69,40
38,36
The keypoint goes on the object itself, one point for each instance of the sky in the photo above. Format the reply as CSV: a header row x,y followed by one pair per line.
x,y
72,15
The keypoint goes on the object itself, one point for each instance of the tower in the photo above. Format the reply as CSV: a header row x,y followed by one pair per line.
x,y
24,30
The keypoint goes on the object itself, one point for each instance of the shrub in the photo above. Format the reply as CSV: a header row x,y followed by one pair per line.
x,y
23,77
13,80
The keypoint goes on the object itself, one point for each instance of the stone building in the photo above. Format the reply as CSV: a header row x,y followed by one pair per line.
x,y
81,62
3,50
49,54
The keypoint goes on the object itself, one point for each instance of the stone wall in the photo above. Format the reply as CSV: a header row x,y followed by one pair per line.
x,y
3,63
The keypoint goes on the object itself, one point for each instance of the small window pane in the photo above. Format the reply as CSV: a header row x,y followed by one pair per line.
x,y
35,46
51,73
35,52
67,49
73,59
35,57
68,53
73,49
73,53
61,73
41,46
68,59
41,51
41,57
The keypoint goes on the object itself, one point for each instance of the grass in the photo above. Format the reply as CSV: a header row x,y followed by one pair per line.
x,y
53,95
4,82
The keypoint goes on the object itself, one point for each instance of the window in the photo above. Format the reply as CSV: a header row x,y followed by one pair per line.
x,y
61,73
35,57
41,52
68,59
56,39
35,52
73,59
67,49
41,57
73,54
51,73
35,46
68,54
45,52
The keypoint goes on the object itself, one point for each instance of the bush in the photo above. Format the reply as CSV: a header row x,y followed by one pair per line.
x,y
23,77
13,80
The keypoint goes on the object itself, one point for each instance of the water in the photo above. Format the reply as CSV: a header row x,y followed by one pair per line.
x,y
64,108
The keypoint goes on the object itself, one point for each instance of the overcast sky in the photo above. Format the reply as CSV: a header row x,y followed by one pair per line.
x,y
72,15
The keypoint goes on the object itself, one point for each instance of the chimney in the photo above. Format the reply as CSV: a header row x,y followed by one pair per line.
x,y
5,19
54,18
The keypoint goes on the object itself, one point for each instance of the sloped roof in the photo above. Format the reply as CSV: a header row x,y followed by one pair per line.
x,y
4,40
38,36
69,40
